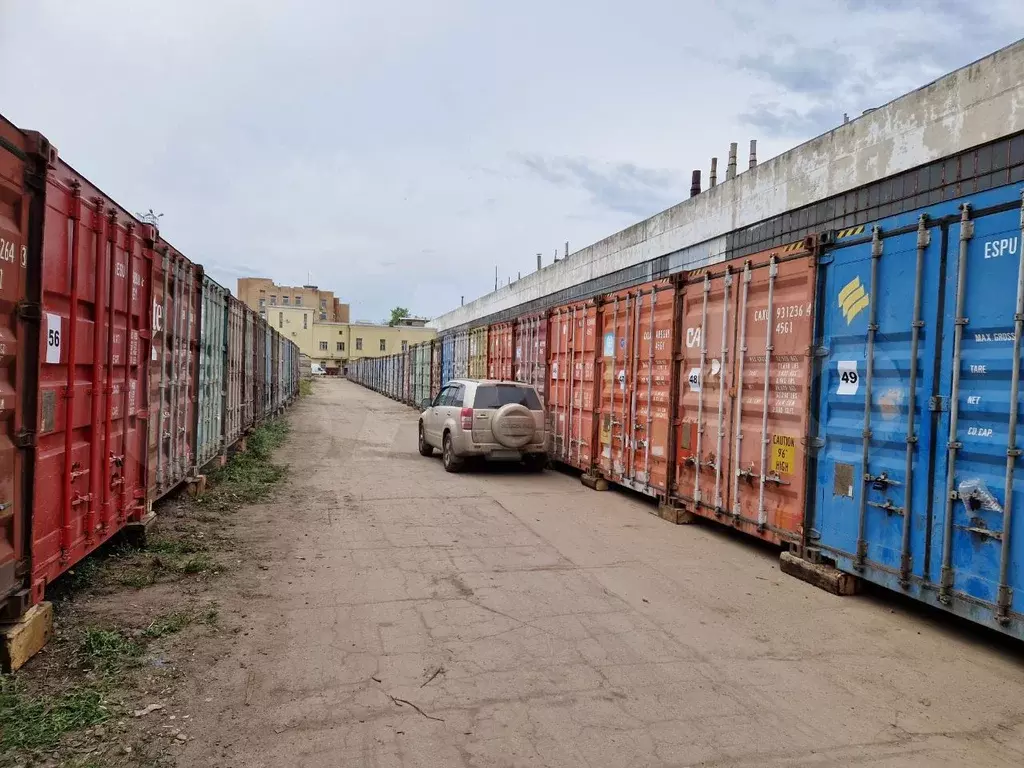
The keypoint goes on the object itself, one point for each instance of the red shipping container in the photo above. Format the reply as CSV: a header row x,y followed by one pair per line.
x,y
744,391
636,361
173,375
94,345
19,342
531,351
499,351
572,391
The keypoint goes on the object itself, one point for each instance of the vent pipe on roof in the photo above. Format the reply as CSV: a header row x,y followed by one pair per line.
x,y
538,263
713,179
753,153
695,183
730,170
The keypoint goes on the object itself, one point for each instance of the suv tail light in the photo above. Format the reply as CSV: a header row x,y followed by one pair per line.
x,y
467,418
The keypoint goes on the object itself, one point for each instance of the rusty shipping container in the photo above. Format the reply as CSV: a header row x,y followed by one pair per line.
x,y
572,389
259,369
212,374
173,374
500,348
95,261
745,342
634,385
478,353
436,346
249,415
235,378
531,351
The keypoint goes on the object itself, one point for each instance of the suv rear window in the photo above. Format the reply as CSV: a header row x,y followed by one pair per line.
x,y
497,395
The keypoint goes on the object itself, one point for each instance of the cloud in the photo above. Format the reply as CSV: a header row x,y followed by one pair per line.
x,y
620,187
813,71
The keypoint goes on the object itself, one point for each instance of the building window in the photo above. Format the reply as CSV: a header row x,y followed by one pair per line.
x,y
359,343
383,345
298,301
284,300
323,316
405,346
305,321
323,346
273,300
341,346
263,303
323,304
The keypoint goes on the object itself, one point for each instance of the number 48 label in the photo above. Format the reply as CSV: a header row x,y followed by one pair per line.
x,y
849,379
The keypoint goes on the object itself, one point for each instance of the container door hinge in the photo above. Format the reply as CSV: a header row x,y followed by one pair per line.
x,y
29,310
938,404
827,257
820,351
816,443
813,534
25,438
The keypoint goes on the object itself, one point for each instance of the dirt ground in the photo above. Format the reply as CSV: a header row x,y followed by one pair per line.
x,y
384,613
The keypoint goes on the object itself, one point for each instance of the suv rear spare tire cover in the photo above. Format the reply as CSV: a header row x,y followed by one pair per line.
x,y
513,426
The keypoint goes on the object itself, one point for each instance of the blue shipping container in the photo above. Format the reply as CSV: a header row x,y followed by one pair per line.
x,y
920,317
447,359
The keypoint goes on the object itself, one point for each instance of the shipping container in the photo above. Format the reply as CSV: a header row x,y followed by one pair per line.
x,y
212,359
407,376
96,261
634,401
918,477
173,374
21,172
531,351
745,340
233,418
500,350
259,368
572,394
478,353
421,373
436,346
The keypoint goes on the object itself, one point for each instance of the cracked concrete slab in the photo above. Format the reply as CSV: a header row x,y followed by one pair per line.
x,y
409,617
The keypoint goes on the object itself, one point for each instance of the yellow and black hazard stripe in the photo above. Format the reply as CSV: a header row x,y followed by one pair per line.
x,y
799,245
850,232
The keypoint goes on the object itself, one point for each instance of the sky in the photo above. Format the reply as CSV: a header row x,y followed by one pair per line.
x,y
398,151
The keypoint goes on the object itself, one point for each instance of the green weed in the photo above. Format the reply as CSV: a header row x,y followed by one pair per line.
x,y
108,650
305,387
37,722
249,477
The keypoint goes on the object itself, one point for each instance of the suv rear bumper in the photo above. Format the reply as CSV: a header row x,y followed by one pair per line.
x,y
466,447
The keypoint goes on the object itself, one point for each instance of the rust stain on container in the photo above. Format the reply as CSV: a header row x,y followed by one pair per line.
x,y
572,384
634,385
741,447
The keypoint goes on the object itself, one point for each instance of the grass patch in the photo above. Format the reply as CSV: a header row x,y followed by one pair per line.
x,y
175,547
107,649
199,564
211,617
249,477
305,387
38,722
167,624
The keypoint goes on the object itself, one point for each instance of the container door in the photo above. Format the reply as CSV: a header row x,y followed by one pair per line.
x,y
636,362
704,407
530,362
881,317
982,554
772,361
18,371
573,385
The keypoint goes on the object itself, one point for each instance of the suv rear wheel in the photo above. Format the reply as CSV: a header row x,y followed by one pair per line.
x,y
426,449
452,463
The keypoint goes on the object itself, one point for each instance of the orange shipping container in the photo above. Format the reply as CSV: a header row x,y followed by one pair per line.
x,y
499,351
636,356
572,393
745,374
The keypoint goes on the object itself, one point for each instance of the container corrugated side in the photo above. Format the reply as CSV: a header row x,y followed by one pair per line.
x,y
478,353
500,346
233,420
531,351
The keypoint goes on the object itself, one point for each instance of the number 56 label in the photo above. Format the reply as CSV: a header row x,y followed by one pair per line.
x,y
53,340
849,379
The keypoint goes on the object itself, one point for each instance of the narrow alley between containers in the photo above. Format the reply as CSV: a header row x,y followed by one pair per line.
x,y
411,617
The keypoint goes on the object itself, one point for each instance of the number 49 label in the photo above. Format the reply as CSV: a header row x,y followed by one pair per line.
x,y
849,379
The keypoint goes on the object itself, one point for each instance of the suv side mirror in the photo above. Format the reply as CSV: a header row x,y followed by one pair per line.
x,y
424,404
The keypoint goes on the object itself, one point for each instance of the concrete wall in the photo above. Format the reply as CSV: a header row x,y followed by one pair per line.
x,y
971,106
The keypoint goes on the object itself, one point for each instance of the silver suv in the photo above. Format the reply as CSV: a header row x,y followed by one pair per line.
x,y
491,419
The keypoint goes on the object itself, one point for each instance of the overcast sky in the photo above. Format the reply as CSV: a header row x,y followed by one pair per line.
x,y
397,150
